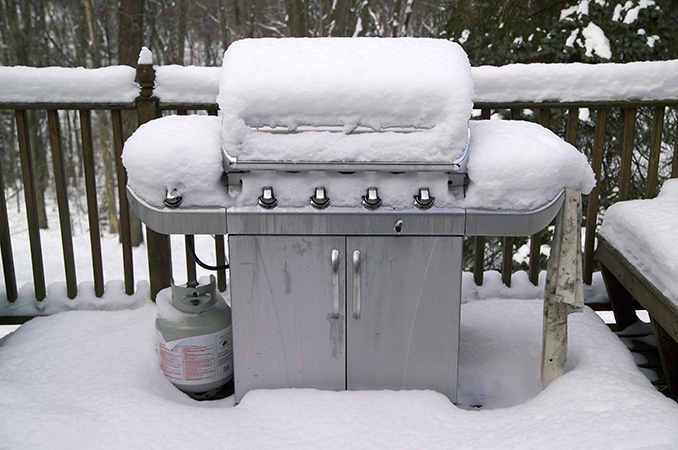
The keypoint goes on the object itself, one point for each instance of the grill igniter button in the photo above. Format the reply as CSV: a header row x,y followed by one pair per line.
x,y
173,199
320,200
267,200
423,199
398,226
371,199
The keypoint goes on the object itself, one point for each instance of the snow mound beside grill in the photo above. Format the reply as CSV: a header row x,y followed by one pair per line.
x,y
345,99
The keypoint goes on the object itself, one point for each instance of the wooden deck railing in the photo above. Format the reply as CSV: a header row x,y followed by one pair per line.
x,y
148,107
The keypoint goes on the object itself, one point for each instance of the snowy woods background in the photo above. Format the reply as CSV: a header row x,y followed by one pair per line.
x,y
96,33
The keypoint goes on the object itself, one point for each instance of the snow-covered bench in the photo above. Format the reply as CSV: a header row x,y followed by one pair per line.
x,y
638,255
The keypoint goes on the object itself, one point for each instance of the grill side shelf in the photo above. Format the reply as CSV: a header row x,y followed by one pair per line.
x,y
480,222
178,220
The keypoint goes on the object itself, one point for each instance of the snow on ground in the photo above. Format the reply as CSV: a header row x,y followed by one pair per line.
x,y
92,379
644,231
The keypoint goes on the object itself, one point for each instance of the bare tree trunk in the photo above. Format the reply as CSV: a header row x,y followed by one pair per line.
x,y
340,18
297,23
105,147
108,160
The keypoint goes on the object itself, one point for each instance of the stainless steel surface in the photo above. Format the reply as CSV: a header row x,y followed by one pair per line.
x,y
178,220
335,284
345,221
283,333
512,223
401,295
407,336
356,284
343,166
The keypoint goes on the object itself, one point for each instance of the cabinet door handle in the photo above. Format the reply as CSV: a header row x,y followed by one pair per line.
x,y
335,284
356,284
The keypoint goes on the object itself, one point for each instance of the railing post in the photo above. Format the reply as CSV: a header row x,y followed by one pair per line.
x,y
31,204
6,245
594,195
157,245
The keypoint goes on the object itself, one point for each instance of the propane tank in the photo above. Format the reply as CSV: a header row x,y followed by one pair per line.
x,y
194,336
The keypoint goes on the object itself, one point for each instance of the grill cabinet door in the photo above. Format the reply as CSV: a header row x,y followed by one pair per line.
x,y
408,292
288,305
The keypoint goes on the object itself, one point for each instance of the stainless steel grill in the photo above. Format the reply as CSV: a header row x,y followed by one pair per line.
x,y
344,274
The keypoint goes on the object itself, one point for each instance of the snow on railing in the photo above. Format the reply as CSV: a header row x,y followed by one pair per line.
x,y
640,99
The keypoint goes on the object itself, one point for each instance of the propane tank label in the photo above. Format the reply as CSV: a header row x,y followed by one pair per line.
x,y
198,359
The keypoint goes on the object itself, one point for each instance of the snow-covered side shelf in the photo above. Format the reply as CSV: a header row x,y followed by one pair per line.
x,y
576,82
382,99
515,165
114,84
512,165
645,232
177,152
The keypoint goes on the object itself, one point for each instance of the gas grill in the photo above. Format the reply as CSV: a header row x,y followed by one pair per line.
x,y
344,229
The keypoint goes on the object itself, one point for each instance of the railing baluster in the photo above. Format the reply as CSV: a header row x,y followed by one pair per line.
x,y
220,248
125,233
62,202
627,152
479,261
6,245
674,166
572,125
507,260
479,256
655,150
535,239
31,204
191,273
594,196
507,241
92,207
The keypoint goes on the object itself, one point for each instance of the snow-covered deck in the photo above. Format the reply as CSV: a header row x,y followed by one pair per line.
x,y
91,379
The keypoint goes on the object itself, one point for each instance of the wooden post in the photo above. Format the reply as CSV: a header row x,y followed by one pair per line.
x,y
535,239
62,201
479,262
157,245
655,150
6,245
627,152
507,260
564,291
594,196
125,232
31,204
92,208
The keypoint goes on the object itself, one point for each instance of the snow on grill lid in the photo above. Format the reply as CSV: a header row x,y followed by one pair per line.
x,y
410,97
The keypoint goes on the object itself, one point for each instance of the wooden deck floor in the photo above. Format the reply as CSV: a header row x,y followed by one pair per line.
x,y
639,339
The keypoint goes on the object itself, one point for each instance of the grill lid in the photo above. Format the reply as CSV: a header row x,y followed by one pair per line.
x,y
345,104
